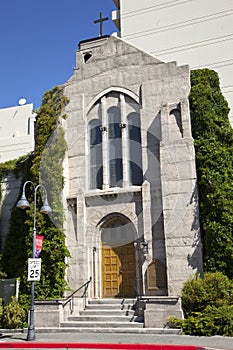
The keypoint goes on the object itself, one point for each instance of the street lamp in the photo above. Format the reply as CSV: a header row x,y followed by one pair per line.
x,y
23,204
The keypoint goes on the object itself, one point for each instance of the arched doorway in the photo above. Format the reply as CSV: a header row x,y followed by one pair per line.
x,y
118,259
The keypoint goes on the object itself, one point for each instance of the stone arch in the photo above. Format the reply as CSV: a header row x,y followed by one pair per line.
x,y
116,230
118,89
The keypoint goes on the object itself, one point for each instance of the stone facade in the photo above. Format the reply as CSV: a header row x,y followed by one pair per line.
x,y
130,173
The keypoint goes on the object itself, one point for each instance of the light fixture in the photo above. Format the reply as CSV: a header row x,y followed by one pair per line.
x,y
45,209
144,247
23,204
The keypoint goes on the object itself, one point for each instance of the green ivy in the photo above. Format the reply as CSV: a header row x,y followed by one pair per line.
x,y
16,234
16,166
45,166
213,137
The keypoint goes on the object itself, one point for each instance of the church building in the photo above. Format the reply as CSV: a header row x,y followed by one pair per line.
x,y
130,176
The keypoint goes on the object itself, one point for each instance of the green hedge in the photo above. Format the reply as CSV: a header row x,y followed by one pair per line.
x,y
211,321
208,306
213,139
214,290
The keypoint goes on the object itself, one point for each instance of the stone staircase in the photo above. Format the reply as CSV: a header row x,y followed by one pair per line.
x,y
106,315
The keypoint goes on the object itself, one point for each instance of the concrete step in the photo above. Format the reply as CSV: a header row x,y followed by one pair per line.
x,y
91,324
106,307
67,330
105,314
100,318
113,301
109,312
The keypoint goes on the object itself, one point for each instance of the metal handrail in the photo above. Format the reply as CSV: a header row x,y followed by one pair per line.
x,y
69,299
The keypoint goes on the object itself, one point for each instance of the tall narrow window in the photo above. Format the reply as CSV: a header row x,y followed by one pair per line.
x,y
95,155
135,152
115,154
115,147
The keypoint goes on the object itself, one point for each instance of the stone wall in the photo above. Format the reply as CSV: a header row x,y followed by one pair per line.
x,y
165,213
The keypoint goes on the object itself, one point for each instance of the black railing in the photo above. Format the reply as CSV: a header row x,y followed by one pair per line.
x,y
70,299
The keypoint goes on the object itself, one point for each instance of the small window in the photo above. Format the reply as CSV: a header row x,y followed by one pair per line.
x,y
87,56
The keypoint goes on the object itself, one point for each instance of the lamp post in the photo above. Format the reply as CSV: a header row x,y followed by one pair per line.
x,y
23,204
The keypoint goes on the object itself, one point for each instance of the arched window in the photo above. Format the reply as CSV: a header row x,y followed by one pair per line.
x,y
115,147
118,231
135,152
95,155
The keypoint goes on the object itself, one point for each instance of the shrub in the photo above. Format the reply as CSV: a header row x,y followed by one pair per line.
x,y
215,289
207,305
174,322
212,321
13,315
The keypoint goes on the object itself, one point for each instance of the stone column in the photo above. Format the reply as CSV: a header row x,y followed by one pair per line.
x,y
164,123
125,143
185,117
104,143
146,200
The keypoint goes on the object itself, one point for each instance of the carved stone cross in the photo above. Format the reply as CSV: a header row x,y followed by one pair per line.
x,y
100,21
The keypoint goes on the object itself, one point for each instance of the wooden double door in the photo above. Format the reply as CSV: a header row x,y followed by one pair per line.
x,y
119,271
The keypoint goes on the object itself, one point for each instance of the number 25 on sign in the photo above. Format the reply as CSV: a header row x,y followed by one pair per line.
x,y
34,269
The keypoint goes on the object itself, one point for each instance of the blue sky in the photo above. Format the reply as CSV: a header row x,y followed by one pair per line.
x,y
38,41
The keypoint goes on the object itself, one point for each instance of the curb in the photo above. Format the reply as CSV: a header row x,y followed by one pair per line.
x,y
39,345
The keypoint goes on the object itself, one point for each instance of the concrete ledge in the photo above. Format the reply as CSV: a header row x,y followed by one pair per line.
x,y
159,299
48,313
52,330
158,309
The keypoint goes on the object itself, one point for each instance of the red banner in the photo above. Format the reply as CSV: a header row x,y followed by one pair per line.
x,y
39,243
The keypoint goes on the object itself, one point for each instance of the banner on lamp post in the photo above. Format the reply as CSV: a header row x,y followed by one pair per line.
x,y
39,243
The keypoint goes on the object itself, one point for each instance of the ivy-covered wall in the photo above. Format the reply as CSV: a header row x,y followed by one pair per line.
x,y
44,166
213,136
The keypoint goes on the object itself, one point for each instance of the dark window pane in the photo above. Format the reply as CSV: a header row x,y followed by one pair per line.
x,y
115,147
135,151
116,172
95,155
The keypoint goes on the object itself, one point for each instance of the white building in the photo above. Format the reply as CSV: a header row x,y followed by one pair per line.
x,y
194,32
16,131
16,140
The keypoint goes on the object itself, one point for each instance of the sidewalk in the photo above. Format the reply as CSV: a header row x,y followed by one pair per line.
x,y
53,339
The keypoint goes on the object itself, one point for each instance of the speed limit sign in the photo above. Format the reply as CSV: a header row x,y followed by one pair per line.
x,y
34,269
